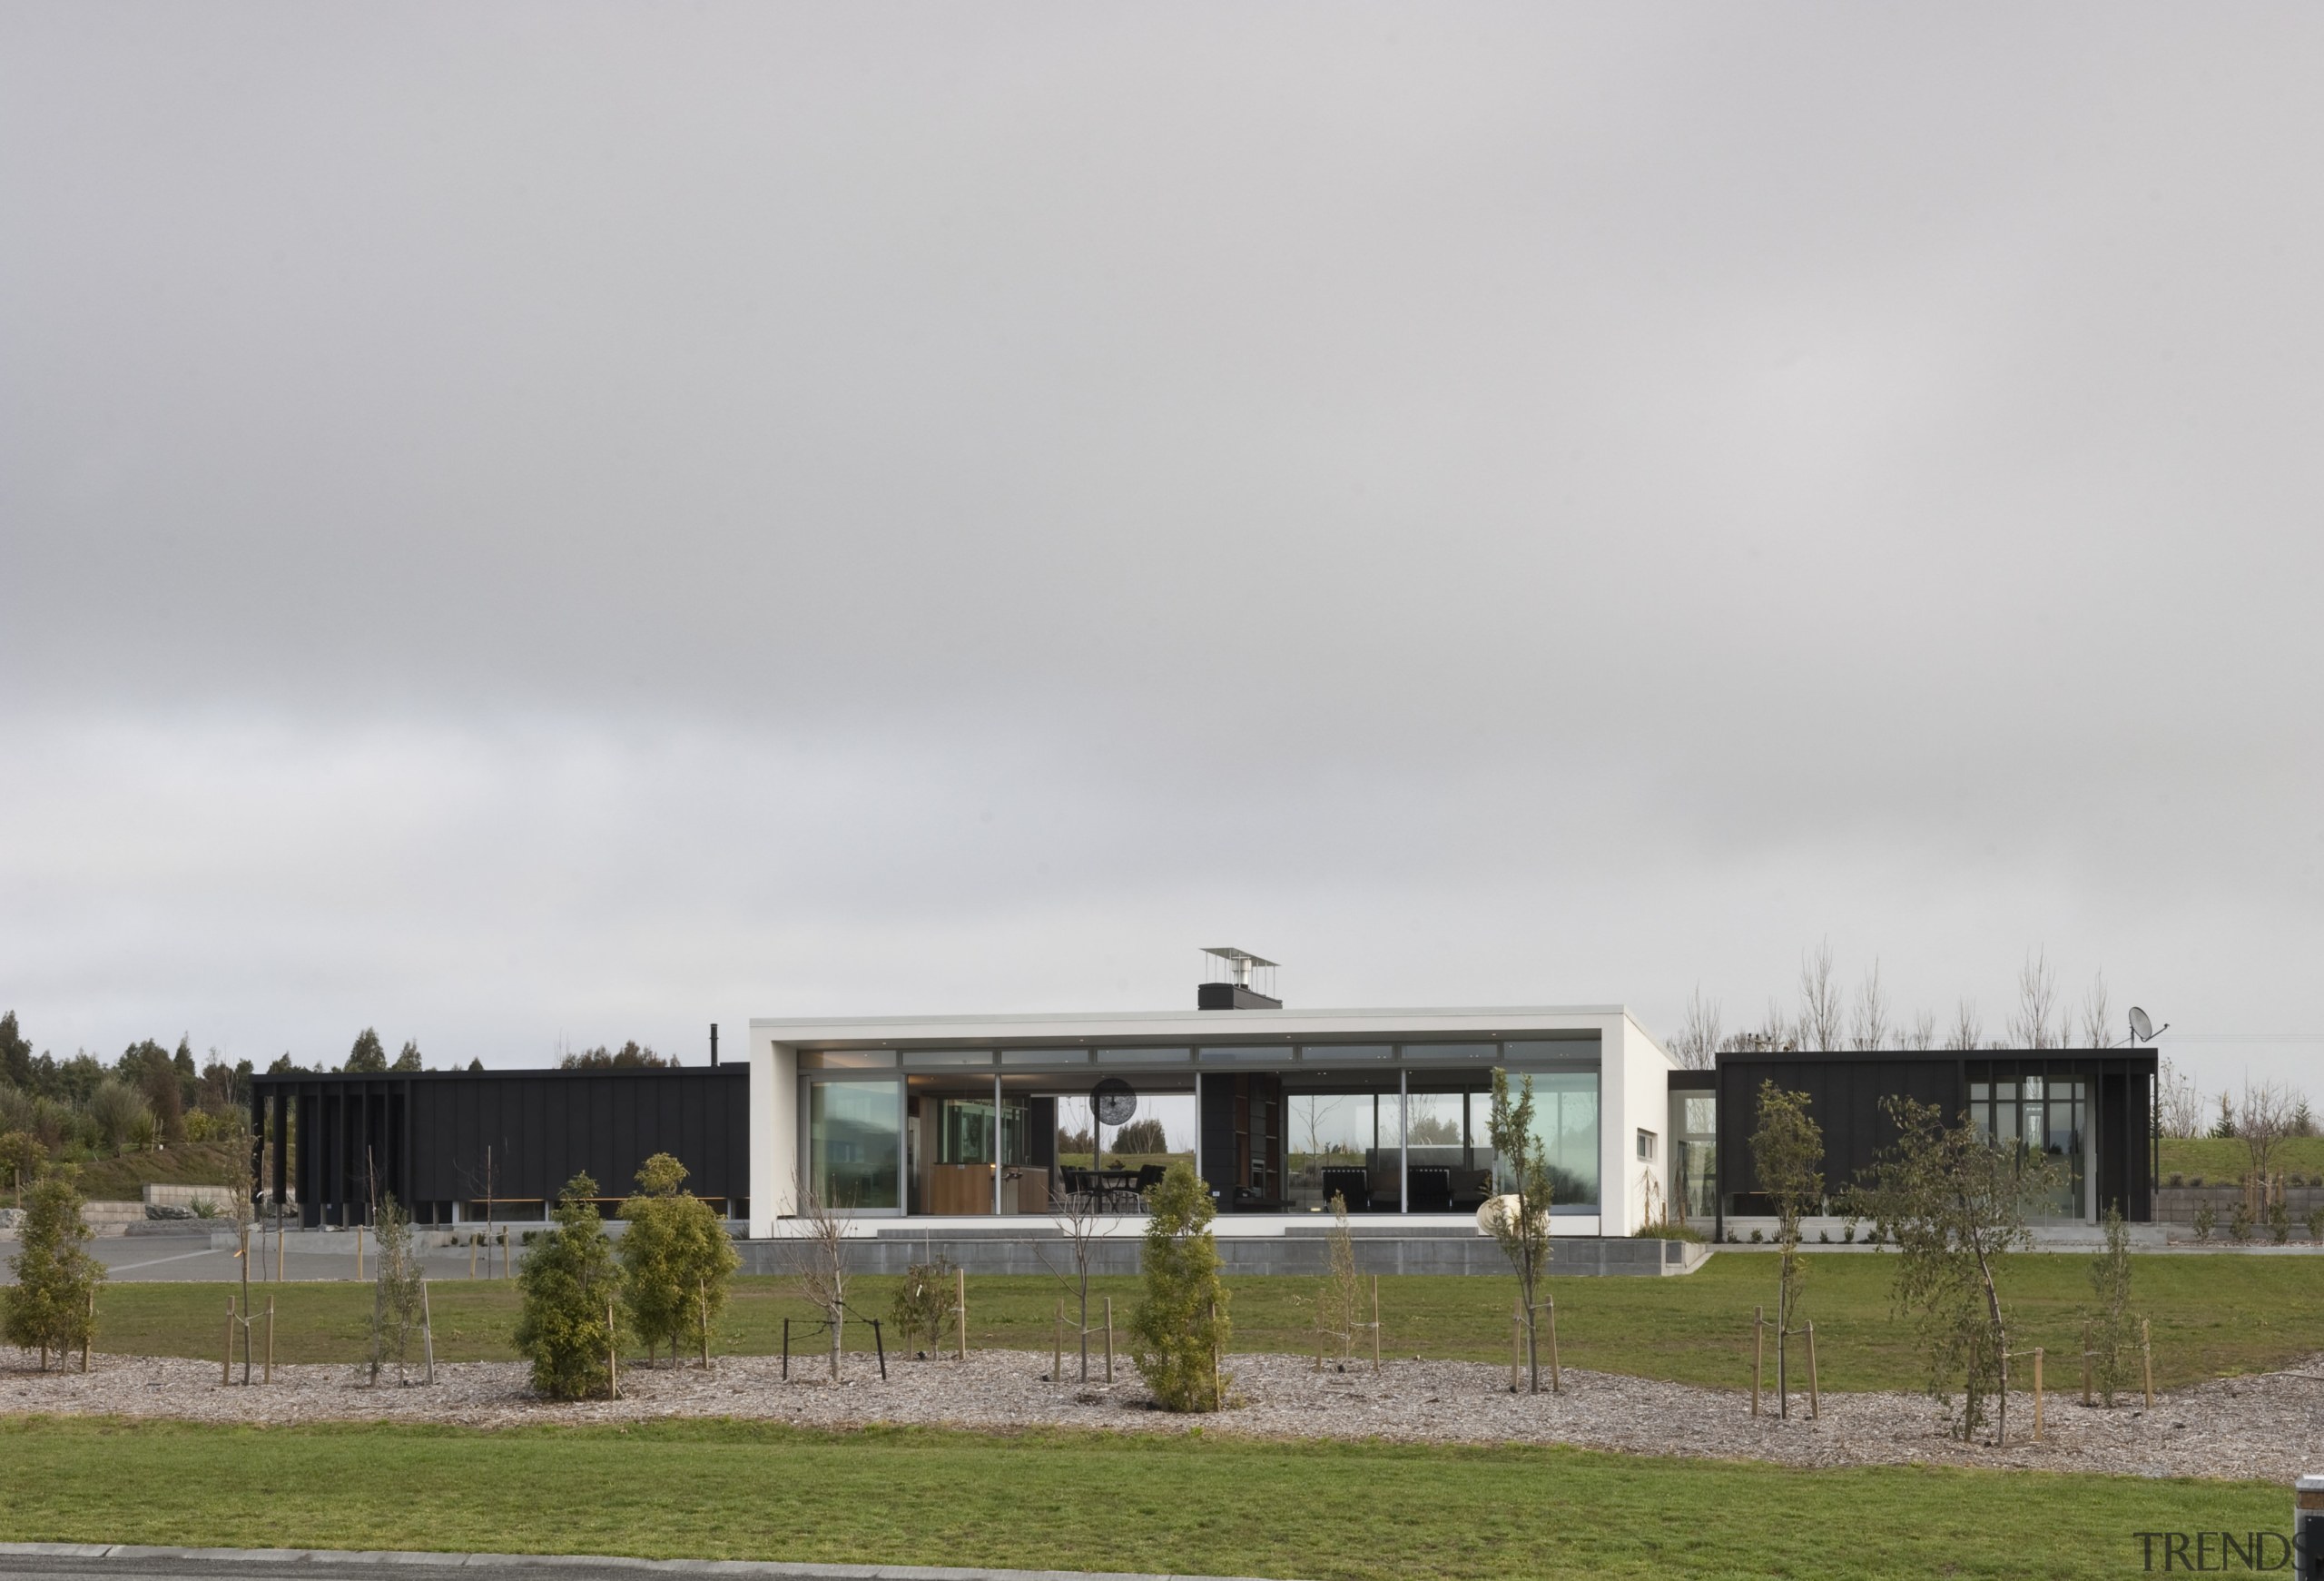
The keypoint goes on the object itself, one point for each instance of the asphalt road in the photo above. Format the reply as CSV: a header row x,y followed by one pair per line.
x,y
67,1562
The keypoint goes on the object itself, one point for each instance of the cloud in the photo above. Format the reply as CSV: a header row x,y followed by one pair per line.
x,y
539,520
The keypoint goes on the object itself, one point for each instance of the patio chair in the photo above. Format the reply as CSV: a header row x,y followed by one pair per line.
x,y
1428,1189
1354,1184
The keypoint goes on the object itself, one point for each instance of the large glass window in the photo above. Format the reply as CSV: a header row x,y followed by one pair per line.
x,y
854,1143
2045,1115
1693,1156
1448,1163
1343,1144
1565,1120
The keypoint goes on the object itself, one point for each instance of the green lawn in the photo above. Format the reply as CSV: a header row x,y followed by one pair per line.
x,y
1084,1501
2212,1315
2221,1161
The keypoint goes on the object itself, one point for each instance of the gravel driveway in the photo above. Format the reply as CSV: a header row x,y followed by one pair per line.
x,y
2269,1427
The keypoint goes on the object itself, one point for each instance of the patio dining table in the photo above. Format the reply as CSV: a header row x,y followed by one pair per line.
x,y
1108,1184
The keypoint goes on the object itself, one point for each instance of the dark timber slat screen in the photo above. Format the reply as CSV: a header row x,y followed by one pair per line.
x,y
428,1135
1845,1089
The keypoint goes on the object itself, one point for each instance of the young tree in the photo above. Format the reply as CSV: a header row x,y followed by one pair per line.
x,y
2113,1327
1341,1300
1820,1015
1180,1328
1697,1046
47,1308
1787,1151
1519,1217
818,1258
2263,1122
1869,1028
1968,1030
2178,1102
568,1283
2037,999
676,1260
1082,1221
395,1292
409,1058
2097,1018
1954,1206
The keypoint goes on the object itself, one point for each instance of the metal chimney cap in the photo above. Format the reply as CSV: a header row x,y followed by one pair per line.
x,y
1229,952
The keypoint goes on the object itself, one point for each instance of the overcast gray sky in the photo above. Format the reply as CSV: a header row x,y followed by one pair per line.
x,y
523,523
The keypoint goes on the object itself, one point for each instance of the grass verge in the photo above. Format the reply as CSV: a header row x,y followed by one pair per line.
x,y
2212,1316
1333,1512
2223,1160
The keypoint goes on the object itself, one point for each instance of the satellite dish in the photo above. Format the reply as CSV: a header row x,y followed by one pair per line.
x,y
1113,1102
2141,1028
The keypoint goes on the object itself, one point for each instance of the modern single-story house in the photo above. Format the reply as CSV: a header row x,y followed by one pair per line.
x,y
982,1121
1278,1110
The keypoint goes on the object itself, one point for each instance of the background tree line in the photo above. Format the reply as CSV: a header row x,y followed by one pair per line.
x,y
83,1108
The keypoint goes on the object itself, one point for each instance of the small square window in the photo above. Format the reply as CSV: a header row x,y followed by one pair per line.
x,y
1645,1145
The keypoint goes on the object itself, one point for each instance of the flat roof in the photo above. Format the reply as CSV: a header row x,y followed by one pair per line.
x,y
1181,1026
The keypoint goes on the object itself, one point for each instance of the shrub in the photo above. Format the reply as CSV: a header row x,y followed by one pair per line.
x,y
2206,1217
1756,1237
1824,1236
2279,1222
1180,1329
21,1158
1666,1230
923,1299
2239,1224
568,1283
47,1308
119,1114
676,1260
2316,1224
2177,1179
2196,1182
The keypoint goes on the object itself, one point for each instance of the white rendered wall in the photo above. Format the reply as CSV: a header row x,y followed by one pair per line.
x,y
774,1131
1634,1085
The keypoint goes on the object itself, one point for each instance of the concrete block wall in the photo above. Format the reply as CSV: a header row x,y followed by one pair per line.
x,y
2176,1205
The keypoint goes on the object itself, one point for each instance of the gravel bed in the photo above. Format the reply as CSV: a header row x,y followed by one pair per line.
x,y
2269,1427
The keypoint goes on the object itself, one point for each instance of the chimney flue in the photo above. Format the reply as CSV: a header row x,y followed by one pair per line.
x,y
1229,984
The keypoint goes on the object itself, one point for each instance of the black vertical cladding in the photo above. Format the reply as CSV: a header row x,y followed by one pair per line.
x,y
1044,1138
1846,1092
428,1134
1217,1122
